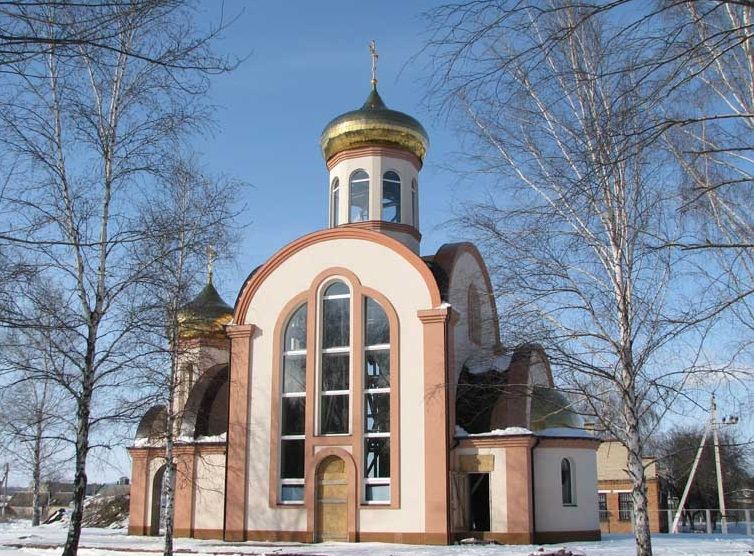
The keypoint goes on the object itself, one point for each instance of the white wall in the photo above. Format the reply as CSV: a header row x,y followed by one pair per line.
x,y
550,513
382,269
209,491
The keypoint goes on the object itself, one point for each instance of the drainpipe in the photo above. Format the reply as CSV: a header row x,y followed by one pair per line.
x,y
533,493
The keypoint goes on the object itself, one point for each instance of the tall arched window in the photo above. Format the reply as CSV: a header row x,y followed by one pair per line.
x,y
376,403
334,202
474,315
414,205
566,482
391,197
335,371
359,197
293,408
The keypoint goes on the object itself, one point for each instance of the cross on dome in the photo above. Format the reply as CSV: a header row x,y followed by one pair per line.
x,y
373,52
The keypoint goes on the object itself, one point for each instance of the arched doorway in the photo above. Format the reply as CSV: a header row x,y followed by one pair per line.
x,y
157,514
331,512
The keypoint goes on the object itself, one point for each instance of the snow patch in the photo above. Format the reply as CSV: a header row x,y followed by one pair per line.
x,y
460,431
508,431
481,362
565,432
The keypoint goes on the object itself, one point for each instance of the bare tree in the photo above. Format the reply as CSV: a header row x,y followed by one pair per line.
x,y
580,204
91,129
192,218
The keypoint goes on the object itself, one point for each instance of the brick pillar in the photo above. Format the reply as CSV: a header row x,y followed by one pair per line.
x,y
519,490
184,491
436,426
138,513
238,430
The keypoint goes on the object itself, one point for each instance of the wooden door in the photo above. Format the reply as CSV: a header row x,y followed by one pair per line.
x,y
331,513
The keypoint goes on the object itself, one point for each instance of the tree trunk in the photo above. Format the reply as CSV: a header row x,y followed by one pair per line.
x,y
37,471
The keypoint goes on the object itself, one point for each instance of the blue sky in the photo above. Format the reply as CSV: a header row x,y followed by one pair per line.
x,y
309,62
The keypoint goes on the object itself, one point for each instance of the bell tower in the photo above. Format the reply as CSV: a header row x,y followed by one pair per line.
x,y
374,155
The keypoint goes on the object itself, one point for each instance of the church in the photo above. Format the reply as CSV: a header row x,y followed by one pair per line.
x,y
358,389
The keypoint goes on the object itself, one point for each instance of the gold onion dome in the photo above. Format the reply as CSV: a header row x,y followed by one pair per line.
x,y
374,124
551,409
205,316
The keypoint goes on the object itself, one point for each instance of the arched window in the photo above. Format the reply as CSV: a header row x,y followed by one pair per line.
x,y
334,202
293,408
414,205
566,482
335,373
359,197
474,315
376,403
391,197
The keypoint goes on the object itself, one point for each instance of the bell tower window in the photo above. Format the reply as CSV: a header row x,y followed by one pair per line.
x,y
391,197
359,197
335,370
334,202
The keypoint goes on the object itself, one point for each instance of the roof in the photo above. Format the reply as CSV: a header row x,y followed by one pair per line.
x,y
205,315
374,124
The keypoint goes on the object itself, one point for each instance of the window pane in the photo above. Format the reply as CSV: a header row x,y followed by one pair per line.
x,y
292,493
391,197
625,505
565,480
377,326
377,458
294,373
334,414
377,369
335,375
359,209
334,206
337,288
336,322
293,415
377,493
292,459
377,412
295,332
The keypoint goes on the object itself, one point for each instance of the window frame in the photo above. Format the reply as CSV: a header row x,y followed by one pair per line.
x,y
366,434
571,483
322,351
334,202
399,205
360,180
283,438
625,506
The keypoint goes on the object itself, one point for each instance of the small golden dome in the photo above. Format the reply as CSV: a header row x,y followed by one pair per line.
x,y
550,409
205,316
374,124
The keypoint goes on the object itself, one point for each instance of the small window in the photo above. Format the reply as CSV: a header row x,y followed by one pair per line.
x,y
359,197
334,202
602,500
625,506
293,409
335,368
566,482
474,315
391,197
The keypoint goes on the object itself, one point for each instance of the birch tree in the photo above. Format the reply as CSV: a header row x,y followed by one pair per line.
x,y
90,129
191,220
577,209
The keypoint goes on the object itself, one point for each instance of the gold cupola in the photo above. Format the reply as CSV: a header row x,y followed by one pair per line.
x,y
374,124
205,316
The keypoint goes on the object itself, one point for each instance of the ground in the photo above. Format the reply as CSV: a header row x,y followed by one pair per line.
x,y
20,538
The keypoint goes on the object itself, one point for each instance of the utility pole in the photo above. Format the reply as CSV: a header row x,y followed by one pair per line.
x,y
712,424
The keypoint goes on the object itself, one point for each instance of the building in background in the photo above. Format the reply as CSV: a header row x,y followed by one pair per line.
x,y
614,491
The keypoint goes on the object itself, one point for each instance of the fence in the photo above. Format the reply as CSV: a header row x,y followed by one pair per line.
x,y
739,521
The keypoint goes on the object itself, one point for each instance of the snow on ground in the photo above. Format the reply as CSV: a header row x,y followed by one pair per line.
x,y
18,538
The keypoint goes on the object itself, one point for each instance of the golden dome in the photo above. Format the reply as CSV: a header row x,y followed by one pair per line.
x,y
374,124
550,409
205,316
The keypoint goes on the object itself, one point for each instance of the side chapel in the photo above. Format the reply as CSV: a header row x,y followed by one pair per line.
x,y
358,391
